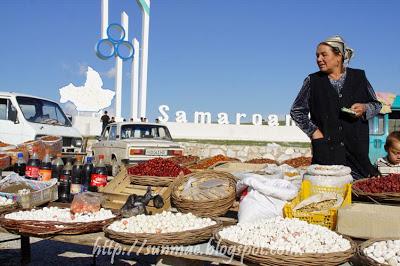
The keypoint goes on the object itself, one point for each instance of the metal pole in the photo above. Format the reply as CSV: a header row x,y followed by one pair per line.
x,y
145,5
135,81
104,18
118,72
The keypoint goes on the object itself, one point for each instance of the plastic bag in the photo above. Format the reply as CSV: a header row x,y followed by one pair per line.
x,y
212,183
317,199
202,189
276,188
256,206
86,202
272,171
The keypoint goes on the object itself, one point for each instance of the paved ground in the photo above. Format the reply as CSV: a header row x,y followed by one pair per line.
x,y
47,252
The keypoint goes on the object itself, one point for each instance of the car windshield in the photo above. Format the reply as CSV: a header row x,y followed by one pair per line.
x,y
145,131
42,111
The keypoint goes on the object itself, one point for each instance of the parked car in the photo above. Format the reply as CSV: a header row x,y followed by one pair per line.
x,y
133,142
25,117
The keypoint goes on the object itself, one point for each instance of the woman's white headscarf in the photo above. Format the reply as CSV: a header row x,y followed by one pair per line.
x,y
338,43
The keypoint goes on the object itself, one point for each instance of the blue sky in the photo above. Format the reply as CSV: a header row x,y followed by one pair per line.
x,y
209,55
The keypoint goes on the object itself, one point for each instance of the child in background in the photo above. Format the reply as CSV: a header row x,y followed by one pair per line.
x,y
391,163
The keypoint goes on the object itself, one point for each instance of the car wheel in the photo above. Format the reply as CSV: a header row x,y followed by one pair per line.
x,y
115,168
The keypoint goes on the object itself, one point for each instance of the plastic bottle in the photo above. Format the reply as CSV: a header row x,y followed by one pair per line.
x,y
20,165
76,181
45,168
87,173
56,167
64,186
98,177
33,166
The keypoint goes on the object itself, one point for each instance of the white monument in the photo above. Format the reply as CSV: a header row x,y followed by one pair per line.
x,y
91,97
138,73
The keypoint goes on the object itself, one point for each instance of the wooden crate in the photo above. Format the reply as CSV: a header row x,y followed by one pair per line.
x,y
118,190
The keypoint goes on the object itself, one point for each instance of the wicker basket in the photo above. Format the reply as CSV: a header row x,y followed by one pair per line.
x,y
53,144
384,196
273,257
5,161
13,153
364,258
51,228
8,208
154,181
34,144
205,163
174,238
220,163
209,208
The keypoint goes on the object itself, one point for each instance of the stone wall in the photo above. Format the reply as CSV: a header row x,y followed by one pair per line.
x,y
243,152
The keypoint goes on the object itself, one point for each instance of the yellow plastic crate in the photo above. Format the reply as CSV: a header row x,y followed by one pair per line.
x,y
325,218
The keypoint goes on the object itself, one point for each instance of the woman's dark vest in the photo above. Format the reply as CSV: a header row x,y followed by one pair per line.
x,y
346,139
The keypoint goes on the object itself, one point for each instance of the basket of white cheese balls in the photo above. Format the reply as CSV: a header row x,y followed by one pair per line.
x,y
49,221
382,251
164,228
7,204
280,241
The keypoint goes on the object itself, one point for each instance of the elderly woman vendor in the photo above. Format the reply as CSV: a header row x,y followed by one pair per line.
x,y
340,100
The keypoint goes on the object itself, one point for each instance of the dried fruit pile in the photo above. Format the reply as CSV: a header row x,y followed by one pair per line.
x,y
206,163
3,144
158,167
390,183
298,162
261,161
185,160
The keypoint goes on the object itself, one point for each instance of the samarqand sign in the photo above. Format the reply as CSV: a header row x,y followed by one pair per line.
x,y
222,118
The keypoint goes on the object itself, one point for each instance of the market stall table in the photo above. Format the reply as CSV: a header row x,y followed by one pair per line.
x,y
97,240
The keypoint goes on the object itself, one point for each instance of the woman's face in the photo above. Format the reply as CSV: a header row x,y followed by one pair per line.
x,y
327,60
394,153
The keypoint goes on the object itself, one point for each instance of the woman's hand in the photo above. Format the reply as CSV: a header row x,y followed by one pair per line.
x,y
359,109
317,134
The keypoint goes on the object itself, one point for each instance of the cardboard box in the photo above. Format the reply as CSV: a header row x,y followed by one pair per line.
x,y
365,220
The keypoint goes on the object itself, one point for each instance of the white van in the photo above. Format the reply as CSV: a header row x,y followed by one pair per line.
x,y
25,117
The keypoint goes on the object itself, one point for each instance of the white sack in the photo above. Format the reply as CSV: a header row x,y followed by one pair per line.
x,y
256,206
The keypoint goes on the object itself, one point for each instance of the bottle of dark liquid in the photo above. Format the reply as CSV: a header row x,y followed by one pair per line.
x,y
33,166
87,173
45,168
56,167
99,175
65,183
76,181
20,165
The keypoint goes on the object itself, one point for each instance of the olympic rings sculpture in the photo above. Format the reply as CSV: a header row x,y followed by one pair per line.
x,y
115,44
